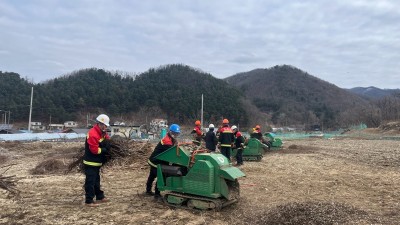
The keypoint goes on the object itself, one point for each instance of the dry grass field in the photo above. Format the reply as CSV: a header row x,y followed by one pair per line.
x,y
311,181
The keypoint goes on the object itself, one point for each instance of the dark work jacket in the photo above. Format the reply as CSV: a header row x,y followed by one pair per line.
x,y
239,140
226,137
166,143
211,140
257,135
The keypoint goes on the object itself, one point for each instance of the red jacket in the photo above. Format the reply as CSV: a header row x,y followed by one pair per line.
x,y
93,151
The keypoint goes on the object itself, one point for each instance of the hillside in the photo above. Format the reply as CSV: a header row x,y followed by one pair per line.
x,y
373,92
172,91
291,96
280,96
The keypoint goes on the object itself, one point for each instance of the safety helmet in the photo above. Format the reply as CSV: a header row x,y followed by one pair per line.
x,y
197,123
211,125
258,127
234,127
225,121
104,119
175,128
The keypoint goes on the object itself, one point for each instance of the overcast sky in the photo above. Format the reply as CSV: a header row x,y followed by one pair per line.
x,y
349,43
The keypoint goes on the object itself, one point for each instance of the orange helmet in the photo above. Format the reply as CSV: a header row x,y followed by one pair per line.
x,y
197,123
225,121
258,127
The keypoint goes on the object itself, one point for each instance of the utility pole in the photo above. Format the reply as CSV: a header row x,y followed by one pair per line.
x,y
201,112
30,111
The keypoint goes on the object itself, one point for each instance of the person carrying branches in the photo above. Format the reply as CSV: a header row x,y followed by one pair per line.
x,y
97,146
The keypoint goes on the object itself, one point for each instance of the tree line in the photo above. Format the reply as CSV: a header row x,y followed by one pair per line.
x,y
172,91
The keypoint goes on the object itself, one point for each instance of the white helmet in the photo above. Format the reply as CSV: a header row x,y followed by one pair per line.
x,y
211,125
104,119
234,127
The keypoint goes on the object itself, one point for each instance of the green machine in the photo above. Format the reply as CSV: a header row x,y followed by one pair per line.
x,y
276,143
253,150
197,179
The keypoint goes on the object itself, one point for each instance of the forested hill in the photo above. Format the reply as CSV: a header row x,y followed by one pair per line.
x,y
291,96
172,91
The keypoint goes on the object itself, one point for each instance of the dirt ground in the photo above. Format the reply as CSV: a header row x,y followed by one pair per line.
x,y
310,181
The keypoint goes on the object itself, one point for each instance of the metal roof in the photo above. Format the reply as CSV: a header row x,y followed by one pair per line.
x,y
40,136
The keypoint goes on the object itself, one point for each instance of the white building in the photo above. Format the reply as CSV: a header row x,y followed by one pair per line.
x,y
37,126
70,124
55,126
132,132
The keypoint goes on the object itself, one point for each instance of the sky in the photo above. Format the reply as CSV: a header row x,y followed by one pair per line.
x,y
347,43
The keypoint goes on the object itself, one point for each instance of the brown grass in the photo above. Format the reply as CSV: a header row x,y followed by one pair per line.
x,y
302,213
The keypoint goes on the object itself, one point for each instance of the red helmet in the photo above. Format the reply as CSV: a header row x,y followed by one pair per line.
x,y
258,127
225,121
197,123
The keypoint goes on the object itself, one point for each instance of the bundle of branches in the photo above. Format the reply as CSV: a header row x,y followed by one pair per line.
x,y
49,166
8,183
122,152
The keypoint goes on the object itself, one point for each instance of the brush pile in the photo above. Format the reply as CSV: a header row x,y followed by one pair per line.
x,y
123,152
49,166
8,183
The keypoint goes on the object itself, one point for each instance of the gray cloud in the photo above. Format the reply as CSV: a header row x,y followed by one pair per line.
x,y
347,43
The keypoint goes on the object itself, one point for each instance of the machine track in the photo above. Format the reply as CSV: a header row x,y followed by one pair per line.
x,y
204,203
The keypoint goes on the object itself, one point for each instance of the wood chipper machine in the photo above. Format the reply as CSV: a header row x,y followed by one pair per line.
x,y
275,143
253,150
197,179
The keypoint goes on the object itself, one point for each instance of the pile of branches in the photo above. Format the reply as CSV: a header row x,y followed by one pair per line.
x,y
122,152
49,166
8,183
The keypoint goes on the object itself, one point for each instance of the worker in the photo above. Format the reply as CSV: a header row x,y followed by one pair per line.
x,y
167,142
258,134
239,145
96,148
197,133
226,139
211,139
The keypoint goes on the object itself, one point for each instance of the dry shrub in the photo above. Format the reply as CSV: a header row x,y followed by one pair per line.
x,y
298,213
49,166
292,147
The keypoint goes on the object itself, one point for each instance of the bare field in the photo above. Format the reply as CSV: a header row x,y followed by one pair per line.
x,y
312,181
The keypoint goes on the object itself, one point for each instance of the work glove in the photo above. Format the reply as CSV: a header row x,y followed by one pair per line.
x,y
105,144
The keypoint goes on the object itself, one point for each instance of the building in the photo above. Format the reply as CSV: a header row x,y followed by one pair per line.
x,y
132,132
6,129
55,126
70,124
37,126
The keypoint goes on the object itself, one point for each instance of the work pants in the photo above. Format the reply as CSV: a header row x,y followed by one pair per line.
x,y
92,184
226,151
150,180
